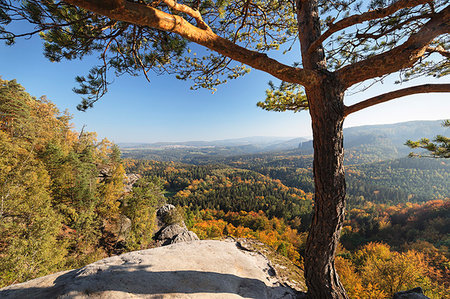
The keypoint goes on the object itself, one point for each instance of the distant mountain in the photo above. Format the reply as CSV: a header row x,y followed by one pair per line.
x,y
364,144
193,151
382,142
262,142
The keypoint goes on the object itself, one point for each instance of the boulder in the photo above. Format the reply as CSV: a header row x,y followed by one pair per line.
x,y
415,293
185,236
169,232
202,269
162,211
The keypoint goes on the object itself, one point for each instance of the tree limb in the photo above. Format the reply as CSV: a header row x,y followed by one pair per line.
x,y
367,16
392,29
144,15
426,88
189,11
308,31
438,49
400,57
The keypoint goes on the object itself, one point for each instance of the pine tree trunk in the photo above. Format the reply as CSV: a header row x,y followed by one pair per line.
x,y
327,113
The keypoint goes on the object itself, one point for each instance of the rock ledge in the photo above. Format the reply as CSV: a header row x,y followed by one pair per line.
x,y
200,269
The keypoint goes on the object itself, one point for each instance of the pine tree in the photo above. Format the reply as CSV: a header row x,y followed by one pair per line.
x,y
342,43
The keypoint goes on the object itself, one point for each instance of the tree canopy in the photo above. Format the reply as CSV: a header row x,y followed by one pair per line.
x,y
56,211
141,37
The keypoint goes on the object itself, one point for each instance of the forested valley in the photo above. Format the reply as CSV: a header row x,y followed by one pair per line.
x,y
68,199
396,233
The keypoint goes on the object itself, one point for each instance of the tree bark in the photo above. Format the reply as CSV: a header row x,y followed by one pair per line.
x,y
327,114
326,107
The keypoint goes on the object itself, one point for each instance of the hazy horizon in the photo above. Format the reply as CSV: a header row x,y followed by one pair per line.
x,y
285,138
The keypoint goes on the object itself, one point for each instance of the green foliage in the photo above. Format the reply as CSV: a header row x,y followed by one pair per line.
x,y
439,148
140,207
229,189
398,181
28,225
55,211
286,96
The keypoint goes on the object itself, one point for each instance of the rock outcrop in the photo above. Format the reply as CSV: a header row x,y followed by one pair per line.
x,y
129,181
119,228
171,228
185,236
415,293
202,269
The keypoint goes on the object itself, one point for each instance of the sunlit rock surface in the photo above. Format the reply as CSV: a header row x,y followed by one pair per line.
x,y
200,269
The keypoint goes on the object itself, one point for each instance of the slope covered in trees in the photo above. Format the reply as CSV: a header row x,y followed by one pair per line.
x,y
390,182
383,233
228,189
62,192
384,249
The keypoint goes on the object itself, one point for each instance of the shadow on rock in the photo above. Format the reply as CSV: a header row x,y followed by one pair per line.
x,y
122,281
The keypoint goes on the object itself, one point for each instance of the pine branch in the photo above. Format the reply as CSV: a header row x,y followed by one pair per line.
x,y
367,16
440,50
189,11
144,15
400,57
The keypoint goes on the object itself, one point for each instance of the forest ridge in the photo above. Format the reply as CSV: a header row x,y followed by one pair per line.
x,y
363,144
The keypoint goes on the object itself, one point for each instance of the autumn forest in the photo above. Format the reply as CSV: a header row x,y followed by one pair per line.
x,y
65,196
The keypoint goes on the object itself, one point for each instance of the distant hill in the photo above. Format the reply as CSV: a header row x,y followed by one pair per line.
x,y
191,151
364,144
262,142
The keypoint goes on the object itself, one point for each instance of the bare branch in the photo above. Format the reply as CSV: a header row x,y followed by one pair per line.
x,y
144,15
400,57
438,49
426,88
393,28
189,11
367,16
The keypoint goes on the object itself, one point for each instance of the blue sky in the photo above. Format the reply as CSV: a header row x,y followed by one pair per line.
x,y
167,110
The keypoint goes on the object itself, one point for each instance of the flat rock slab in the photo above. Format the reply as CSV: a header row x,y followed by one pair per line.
x,y
200,269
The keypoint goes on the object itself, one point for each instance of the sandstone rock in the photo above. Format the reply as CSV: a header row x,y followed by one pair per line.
x,y
415,293
129,181
185,236
203,269
119,228
164,210
169,232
